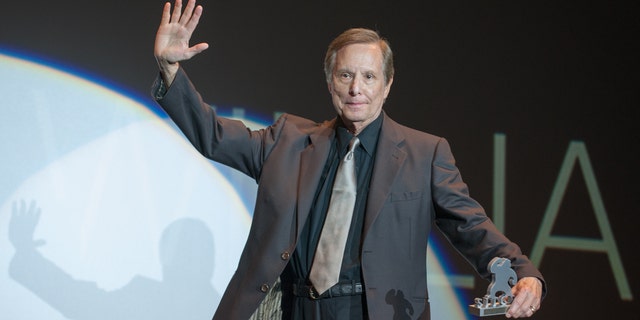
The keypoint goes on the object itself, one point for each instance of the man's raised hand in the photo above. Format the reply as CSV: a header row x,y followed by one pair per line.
x,y
172,38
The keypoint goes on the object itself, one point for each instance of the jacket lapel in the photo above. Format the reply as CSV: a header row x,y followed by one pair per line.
x,y
389,159
312,161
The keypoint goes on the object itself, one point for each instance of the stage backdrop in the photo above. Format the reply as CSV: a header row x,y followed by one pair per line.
x,y
106,212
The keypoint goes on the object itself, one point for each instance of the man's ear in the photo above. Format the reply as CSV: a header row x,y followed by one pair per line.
x,y
387,88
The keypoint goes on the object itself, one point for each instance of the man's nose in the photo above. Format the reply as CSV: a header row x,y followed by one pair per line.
x,y
354,87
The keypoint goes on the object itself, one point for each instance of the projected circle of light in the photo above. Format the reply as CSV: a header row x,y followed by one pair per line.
x,y
124,201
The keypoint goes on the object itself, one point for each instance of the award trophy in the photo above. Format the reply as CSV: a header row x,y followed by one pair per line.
x,y
498,298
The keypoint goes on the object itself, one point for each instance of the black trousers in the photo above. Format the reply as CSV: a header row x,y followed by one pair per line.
x,y
337,308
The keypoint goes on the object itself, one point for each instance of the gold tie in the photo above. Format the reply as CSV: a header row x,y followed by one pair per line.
x,y
327,261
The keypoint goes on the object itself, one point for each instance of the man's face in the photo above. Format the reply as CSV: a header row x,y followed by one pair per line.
x,y
357,87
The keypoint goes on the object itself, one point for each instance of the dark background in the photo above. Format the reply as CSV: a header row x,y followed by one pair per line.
x,y
543,73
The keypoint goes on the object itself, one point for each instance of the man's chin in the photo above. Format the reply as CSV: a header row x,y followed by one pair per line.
x,y
350,119
352,115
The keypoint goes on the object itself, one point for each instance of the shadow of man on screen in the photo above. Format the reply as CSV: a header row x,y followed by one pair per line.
x,y
402,308
185,291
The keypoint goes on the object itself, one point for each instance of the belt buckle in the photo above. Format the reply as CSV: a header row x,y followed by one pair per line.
x,y
313,294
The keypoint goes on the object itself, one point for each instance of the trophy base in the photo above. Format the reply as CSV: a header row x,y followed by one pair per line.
x,y
483,312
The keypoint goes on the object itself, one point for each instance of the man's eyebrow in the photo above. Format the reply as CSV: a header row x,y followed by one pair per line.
x,y
349,70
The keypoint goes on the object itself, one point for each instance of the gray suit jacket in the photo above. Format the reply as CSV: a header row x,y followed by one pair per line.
x,y
415,184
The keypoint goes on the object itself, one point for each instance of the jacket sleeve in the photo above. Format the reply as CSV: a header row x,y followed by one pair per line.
x,y
466,225
224,140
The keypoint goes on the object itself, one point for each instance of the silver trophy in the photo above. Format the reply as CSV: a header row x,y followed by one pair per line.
x,y
498,298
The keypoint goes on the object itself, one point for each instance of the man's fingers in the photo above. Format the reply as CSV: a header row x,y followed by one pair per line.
x,y
189,18
166,13
525,304
188,12
198,48
177,11
195,18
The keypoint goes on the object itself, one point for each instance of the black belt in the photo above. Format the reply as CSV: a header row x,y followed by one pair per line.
x,y
338,290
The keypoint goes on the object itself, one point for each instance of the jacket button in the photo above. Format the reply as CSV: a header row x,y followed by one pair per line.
x,y
264,288
285,255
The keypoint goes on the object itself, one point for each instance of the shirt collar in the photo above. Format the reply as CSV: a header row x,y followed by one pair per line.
x,y
368,137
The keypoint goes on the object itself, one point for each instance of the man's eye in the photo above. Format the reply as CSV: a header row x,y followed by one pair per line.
x,y
346,76
369,76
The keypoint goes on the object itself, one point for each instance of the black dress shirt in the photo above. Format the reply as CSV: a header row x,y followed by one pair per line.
x,y
300,265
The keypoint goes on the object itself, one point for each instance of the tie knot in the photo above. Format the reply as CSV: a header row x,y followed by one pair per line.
x,y
352,146
353,143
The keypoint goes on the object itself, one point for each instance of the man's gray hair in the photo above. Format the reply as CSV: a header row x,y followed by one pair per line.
x,y
354,36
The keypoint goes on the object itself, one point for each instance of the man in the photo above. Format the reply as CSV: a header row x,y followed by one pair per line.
x,y
406,181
